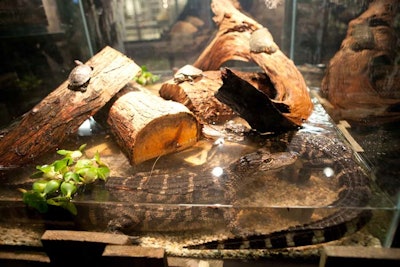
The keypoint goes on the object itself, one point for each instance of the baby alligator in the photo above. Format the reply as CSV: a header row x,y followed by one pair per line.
x,y
164,191
315,150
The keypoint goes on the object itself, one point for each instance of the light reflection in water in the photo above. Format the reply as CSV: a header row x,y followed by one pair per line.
x,y
329,172
219,142
217,171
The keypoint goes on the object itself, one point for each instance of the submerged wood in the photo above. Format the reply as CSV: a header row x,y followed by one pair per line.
x,y
61,113
147,126
363,78
235,41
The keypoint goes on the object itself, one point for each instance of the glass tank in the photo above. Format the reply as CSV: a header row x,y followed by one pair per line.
x,y
280,137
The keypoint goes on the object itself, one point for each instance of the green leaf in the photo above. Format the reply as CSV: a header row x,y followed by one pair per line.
x,y
83,163
70,207
39,186
103,172
54,201
98,160
61,164
82,147
35,200
45,168
38,174
71,176
48,171
75,155
63,202
141,80
155,78
96,157
68,189
52,186
89,174
63,152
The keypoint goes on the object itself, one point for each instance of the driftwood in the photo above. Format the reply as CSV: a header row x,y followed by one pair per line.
x,y
363,78
246,93
241,38
147,126
61,113
198,96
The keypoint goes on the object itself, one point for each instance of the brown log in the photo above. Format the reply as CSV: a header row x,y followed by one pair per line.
x,y
62,112
198,97
232,42
147,126
363,78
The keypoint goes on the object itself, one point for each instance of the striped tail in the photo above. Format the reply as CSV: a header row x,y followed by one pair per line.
x,y
324,230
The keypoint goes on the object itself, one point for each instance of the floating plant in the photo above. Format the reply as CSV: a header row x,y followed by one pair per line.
x,y
59,181
146,77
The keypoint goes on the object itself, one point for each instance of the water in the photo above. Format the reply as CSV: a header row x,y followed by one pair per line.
x,y
261,203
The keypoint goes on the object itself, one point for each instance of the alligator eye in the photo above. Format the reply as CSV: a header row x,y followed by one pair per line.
x,y
268,160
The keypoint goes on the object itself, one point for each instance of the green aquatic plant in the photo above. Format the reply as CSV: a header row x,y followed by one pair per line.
x,y
29,82
146,77
59,181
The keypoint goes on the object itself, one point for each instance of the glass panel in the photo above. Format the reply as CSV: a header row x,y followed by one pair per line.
x,y
39,42
210,190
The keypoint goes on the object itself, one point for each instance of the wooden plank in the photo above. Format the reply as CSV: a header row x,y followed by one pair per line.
x,y
333,256
24,258
121,256
83,236
67,248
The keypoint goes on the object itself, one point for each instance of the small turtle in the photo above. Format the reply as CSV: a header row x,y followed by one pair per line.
x,y
79,77
187,73
261,41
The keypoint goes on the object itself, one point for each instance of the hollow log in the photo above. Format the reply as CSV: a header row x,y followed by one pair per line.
x,y
147,126
363,78
62,112
241,38
198,97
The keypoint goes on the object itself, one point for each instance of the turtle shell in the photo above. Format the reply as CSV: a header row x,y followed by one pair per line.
x,y
189,70
187,73
80,75
261,41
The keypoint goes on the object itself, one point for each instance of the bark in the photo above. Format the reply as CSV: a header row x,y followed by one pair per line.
x,y
147,126
198,96
252,104
61,113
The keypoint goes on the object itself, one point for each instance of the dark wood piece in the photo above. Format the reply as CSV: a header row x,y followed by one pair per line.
x,y
62,112
252,104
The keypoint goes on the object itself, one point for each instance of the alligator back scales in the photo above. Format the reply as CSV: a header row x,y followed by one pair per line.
x,y
354,194
165,189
